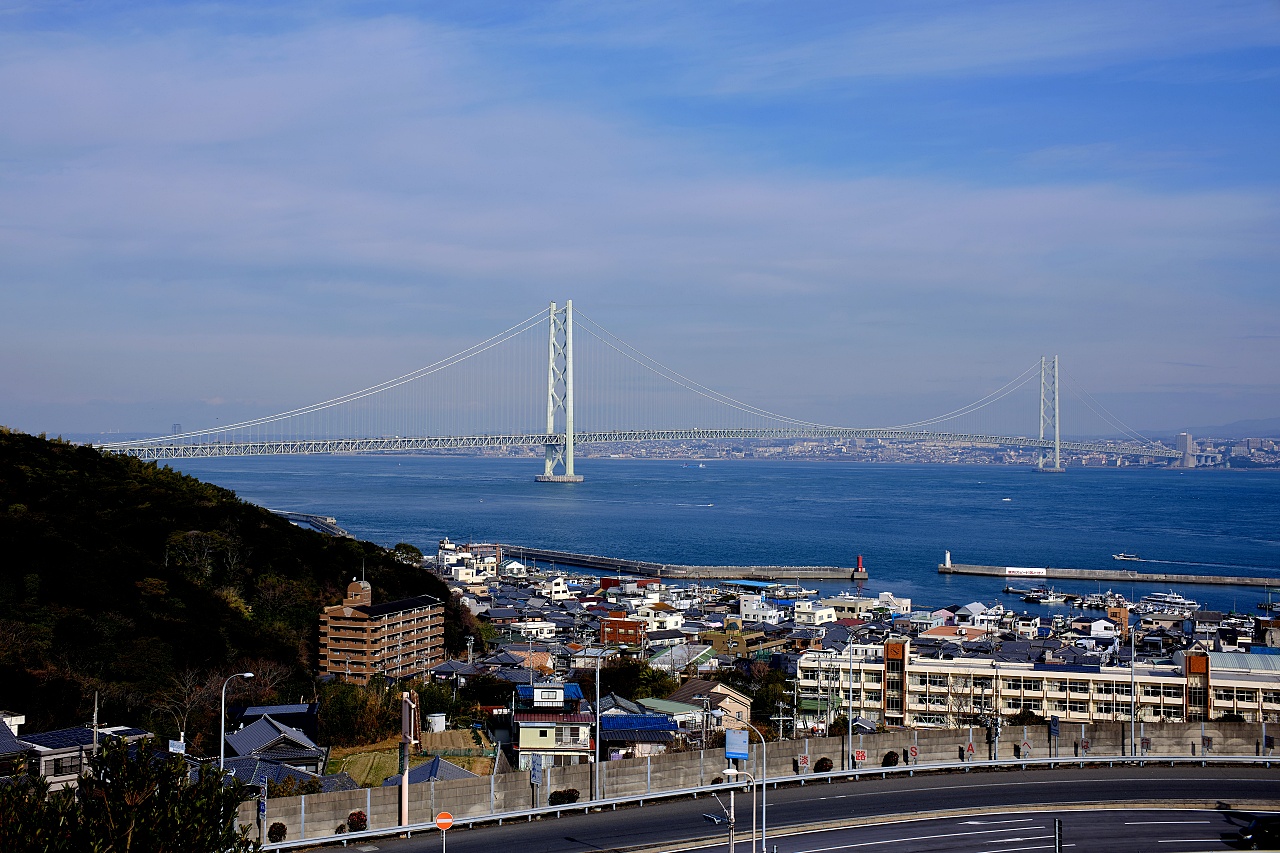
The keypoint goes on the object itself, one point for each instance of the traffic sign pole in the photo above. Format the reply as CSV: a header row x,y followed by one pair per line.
x,y
444,821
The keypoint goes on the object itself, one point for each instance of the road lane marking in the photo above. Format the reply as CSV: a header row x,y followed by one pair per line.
x,y
1154,822
985,822
1187,840
1041,809
1022,838
1014,785
916,838
1012,849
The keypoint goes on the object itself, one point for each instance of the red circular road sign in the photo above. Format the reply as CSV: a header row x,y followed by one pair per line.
x,y
444,821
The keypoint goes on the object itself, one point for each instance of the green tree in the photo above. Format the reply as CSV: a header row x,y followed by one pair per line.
x,y
408,554
631,679
353,714
135,799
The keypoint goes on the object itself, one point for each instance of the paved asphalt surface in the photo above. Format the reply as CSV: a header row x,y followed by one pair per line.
x,y
1026,798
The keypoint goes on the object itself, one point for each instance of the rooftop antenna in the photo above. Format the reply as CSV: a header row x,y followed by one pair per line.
x,y
362,569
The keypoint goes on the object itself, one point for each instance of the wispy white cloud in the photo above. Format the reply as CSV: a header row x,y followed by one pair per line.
x,y
770,47
188,210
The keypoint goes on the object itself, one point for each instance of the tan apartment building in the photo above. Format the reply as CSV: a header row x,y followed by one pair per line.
x,y
398,639
900,688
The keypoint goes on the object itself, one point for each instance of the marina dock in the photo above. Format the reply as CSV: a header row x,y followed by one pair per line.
x,y
612,565
1110,575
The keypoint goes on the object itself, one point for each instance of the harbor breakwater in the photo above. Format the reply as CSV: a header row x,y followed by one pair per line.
x,y
665,570
1112,575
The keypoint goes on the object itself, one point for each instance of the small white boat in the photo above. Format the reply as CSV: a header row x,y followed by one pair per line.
x,y
1123,555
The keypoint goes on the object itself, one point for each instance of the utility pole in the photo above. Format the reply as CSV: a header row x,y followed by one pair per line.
x,y
408,737
595,782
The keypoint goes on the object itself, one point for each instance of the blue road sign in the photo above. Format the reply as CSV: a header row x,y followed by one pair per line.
x,y
735,744
1053,726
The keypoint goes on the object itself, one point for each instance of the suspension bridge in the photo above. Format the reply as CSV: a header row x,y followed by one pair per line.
x,y
517,390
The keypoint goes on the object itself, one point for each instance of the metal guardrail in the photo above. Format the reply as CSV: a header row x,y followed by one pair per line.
x,y
795,779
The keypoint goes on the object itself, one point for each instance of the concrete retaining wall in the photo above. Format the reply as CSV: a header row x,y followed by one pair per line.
x,y
319,815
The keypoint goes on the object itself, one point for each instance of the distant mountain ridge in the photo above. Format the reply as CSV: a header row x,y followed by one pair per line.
x,y
1255,428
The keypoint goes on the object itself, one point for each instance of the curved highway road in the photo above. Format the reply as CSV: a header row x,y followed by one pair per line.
x,y
1029,797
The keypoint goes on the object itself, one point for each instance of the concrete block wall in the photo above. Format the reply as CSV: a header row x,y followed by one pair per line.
x,y
638,776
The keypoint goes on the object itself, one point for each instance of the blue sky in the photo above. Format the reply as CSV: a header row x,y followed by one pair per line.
x,y
854,213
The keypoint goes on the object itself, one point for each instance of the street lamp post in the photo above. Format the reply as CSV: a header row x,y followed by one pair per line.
x,y
222,739
596,792
1133,688
764,797
848,712
731,772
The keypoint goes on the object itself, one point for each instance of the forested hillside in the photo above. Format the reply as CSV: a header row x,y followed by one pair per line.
x,y
150,586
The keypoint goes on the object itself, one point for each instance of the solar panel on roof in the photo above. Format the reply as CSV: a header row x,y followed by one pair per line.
x,y
61,738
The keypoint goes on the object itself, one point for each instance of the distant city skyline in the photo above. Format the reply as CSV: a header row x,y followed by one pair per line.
x,y
856,215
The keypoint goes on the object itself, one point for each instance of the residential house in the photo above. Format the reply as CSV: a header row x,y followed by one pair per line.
x,y
686,716
270,740
634,735
617,630
61,756
437,769
735,706
660,616
679,658
252,770
753,607
813,613
743,641
551,719
13,752
303,716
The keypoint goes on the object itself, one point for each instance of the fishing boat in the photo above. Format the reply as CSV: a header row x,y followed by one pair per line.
x,y
1103,600
1125,555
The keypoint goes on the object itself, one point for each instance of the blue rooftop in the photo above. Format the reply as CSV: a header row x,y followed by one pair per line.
x,y
571,691
637,722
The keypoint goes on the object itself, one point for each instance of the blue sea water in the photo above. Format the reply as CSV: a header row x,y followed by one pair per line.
x,y
901,518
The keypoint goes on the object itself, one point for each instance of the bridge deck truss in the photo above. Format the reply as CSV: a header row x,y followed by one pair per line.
x,y
154,450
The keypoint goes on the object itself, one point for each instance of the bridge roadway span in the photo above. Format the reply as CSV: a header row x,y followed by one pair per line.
x,y
990,797
662,570
1116,575
165,449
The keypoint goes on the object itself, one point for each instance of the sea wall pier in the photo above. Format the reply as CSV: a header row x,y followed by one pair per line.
x,y
664,570
1113,575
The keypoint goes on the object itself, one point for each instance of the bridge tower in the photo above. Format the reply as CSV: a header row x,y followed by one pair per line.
x,y
1049,415
560,397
